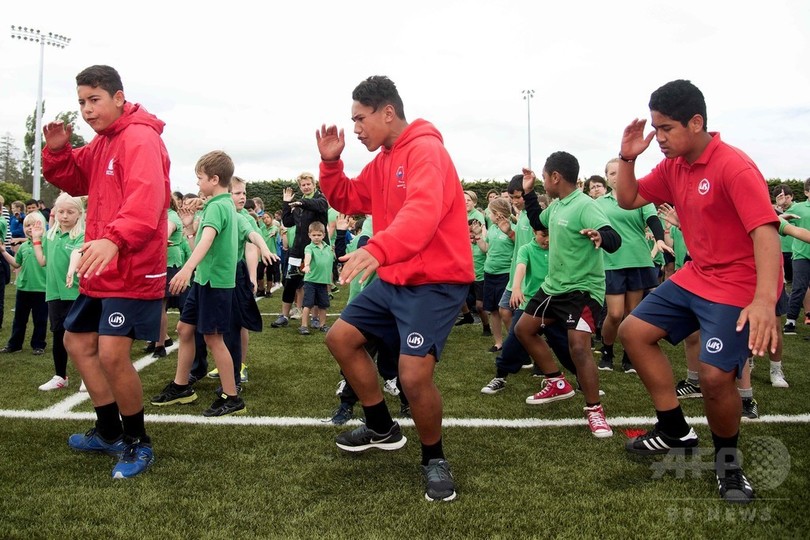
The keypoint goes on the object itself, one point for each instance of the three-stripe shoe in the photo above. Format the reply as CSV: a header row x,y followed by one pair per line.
x,y
656,441
734,487
363,438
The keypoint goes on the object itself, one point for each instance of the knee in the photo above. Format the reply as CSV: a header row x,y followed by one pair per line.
x,y
342,337
627,330
185,331
714,382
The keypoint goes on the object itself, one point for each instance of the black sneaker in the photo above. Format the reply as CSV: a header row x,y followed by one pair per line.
x,y
150,347
160,352
656,442
607,356
605,364
627,365
168,343
439,480
734,487
363,438
687,390
342,414
172,395
487,331
749,408
225,405
467,318
790,329
404,410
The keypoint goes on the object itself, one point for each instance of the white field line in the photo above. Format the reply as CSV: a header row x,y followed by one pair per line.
x,y
62,411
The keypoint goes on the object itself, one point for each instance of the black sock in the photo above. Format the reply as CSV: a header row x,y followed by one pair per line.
x,y
607,349
553,374
180,386
378,418
432,451
725,451
133,427
108,423
672,422
487,327
593,404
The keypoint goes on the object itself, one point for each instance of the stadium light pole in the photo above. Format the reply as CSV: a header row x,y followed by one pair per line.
x,y
528,95
60,42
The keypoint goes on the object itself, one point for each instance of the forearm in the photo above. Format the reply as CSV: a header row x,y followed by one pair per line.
x,y
627,187
767,257
199,252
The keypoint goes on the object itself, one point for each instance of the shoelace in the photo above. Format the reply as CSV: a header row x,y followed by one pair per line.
x,y
597,419
735,480
439,472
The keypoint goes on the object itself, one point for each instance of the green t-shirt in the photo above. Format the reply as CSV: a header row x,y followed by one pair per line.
x,y
499,251
174,257
218,267
536,260
479,260
355,286
524,234
320,266
247,225
57,252
801,250
32,276
573,263
331,216
3,228
679,246
476,214
631,225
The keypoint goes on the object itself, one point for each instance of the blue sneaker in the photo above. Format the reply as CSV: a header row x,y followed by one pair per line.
x,y
92,442
135,459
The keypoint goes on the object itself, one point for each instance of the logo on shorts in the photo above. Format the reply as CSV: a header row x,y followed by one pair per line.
x,y
116,319
703,186
714,345
414,340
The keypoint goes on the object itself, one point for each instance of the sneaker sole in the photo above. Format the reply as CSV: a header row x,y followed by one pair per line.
x,y
444,499
690,396
602,434
782,384
490,391
120,476
687,450
382,446
531,401
605,368
230,413
178,401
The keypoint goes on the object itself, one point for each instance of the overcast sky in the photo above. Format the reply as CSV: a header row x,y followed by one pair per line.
x,y
256,79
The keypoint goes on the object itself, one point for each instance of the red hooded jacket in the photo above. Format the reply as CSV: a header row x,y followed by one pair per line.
x,y
124,171
415,198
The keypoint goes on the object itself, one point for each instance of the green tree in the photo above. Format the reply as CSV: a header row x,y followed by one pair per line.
x,y
9,162
13,192
48,193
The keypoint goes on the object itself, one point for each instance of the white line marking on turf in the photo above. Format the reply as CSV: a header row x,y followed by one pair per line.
x,y
292,421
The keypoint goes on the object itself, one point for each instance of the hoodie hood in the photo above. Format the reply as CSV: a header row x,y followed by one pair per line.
x,y
134,113
417,128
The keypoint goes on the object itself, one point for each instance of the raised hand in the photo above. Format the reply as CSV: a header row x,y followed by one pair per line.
x,y
593,235
528,180
287,195
668,213
342,222
331,142
57,135
633,140
37,230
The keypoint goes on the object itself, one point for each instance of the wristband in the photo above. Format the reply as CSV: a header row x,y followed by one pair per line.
x,y
37,243
626,160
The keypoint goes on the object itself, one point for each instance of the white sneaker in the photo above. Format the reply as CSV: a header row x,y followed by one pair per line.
x,y
82,387
340,386
295,313
494,386
390,386
778,378
55,383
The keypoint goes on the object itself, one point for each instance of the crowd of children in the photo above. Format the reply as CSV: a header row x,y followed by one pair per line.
x,y
545,274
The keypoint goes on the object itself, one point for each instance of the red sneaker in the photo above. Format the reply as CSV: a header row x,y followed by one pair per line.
x,y
553,390
597,422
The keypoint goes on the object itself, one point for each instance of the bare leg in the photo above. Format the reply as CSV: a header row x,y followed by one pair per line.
x,y
416,376
185,352
640,340
83,351
721,400
346,343
223,361
114,357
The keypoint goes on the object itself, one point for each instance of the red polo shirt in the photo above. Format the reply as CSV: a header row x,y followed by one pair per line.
x,y
720,199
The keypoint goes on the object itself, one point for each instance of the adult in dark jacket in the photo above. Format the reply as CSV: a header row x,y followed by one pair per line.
x,y
312,206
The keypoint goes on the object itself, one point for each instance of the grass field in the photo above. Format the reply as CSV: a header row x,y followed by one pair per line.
x,y
521,471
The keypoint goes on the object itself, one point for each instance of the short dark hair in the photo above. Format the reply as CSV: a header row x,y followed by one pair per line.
x,y
378,91
250,204
29,202
515,184
680,100
565,164
807,185
595,179
782,188
216,163
104,77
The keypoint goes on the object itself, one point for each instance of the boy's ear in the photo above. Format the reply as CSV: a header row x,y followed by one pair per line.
x,y
118,98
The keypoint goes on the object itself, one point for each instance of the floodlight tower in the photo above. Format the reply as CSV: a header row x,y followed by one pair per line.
x,y
55,40
528,95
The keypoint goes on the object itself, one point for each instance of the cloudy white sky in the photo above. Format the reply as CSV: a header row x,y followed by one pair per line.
x,y
256,79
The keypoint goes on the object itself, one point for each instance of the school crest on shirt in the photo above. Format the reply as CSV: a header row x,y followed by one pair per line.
x,y
400,174
704,186
111,167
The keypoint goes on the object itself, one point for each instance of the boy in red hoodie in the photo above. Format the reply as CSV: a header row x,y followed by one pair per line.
x,y
124,171
422,255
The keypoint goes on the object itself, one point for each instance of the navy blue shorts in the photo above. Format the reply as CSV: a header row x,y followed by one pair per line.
x,y
576,310
208,309
136,319
415,320
170,273
478,290
679,313
316,294
494,285
246,310
630,279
